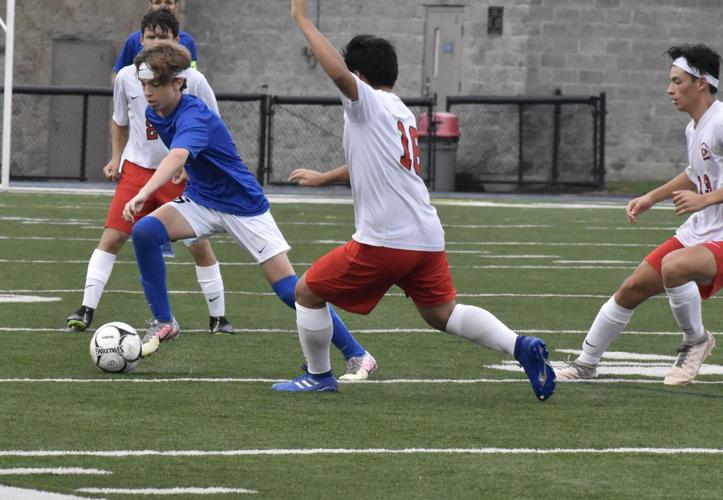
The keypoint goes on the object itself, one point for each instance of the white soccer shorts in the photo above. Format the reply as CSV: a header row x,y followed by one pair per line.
x,y
258,234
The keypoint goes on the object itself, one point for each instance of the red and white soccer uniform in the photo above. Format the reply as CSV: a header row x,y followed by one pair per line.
x,y
144,150
399,238
705,170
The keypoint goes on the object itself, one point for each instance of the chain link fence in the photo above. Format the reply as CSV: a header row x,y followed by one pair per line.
x,y
525,141
63,133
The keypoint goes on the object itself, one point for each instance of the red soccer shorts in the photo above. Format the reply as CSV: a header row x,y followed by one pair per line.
x,y
132,179
355,276
655,259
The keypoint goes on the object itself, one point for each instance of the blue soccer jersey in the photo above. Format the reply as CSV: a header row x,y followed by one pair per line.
x,y
218,178
133,46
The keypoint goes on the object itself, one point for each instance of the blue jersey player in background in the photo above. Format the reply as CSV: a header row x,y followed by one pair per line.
x,y
222,195
133,46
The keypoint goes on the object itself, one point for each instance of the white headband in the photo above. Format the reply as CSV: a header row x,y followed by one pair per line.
x,y
145,73
682,63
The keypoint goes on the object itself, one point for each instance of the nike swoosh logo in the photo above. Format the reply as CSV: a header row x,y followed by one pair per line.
x,y
588,343
216,297
262,248
89,286
134,97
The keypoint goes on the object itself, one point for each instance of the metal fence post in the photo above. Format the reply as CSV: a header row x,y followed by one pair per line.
x,y
520,142
601,161
84,139
263,122
555,139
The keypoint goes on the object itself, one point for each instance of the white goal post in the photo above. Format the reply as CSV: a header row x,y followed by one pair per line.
x,y
9,26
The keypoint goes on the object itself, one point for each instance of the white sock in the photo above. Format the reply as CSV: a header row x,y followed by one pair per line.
x,y
100,266
211,283
685,303
481,327
609,323
315,329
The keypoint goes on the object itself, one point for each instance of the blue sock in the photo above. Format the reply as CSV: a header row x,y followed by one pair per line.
x,y
341,337
149,234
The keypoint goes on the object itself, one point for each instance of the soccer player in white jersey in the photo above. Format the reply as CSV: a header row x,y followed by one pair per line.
x,y
142,152
689,265
399,238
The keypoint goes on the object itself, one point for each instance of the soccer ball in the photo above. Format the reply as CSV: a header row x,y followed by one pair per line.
x,y
115,347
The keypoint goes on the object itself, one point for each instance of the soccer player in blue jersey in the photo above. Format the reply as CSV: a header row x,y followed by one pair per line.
x,y
222,195
133,45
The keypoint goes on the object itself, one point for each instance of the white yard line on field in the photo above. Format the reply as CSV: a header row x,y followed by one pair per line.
x,y
228,380
360,451
211,490
57,471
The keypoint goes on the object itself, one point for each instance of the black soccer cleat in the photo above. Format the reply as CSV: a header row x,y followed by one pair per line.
x,y
220,325
80,319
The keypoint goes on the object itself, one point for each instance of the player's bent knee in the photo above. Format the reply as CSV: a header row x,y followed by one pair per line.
x,y
149,231
305,296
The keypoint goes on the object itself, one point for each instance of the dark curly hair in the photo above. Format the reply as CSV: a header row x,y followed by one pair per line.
x,y
700,57
374,58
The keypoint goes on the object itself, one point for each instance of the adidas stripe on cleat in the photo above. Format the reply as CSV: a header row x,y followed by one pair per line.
x,y
308,383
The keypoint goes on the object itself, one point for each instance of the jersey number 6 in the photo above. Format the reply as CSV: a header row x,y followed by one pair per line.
x,y
406,160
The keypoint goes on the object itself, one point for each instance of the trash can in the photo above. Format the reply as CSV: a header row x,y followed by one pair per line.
x,y
446,139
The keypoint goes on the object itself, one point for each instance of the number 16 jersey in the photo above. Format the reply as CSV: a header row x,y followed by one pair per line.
x,y
391,203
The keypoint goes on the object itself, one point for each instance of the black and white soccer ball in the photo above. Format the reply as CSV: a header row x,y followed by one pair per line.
x,y
115,347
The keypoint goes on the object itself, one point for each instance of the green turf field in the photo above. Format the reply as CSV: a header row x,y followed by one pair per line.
x,y
441,418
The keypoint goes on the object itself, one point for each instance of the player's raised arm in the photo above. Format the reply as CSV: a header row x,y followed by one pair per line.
x,y
323,50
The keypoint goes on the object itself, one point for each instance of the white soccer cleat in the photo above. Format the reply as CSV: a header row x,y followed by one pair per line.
x,y
150,346
360,367
690,359
577,370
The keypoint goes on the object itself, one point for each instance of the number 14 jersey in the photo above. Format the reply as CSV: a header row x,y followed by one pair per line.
x,y
391,203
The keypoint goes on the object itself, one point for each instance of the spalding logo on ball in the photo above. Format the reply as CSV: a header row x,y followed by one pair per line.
x,y
115,347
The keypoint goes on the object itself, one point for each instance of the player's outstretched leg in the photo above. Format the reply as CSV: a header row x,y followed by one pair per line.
x,y
149,234
532,354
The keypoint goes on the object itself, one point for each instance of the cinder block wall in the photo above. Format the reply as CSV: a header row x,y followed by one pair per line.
x,y
577,46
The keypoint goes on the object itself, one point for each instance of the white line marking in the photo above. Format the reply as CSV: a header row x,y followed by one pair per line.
x,y
214,490
61,471
17,299
360,451
657,370
624,355
9,492
11,329
122,380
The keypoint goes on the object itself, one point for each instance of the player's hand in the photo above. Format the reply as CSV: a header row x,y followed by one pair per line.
x,y
636,207
111,170
180,177
306,177
133,207
300,9
687,202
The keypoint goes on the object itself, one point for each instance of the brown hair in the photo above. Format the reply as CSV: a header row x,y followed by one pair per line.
x,y
166,59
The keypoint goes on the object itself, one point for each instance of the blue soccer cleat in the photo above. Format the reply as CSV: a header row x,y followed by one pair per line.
x,y
532,353
307,383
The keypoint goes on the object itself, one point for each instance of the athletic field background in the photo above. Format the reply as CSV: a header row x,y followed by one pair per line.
x,y
442,418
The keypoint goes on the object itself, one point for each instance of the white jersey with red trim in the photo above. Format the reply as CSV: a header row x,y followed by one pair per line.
x,y
391,203
705,170
144,147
